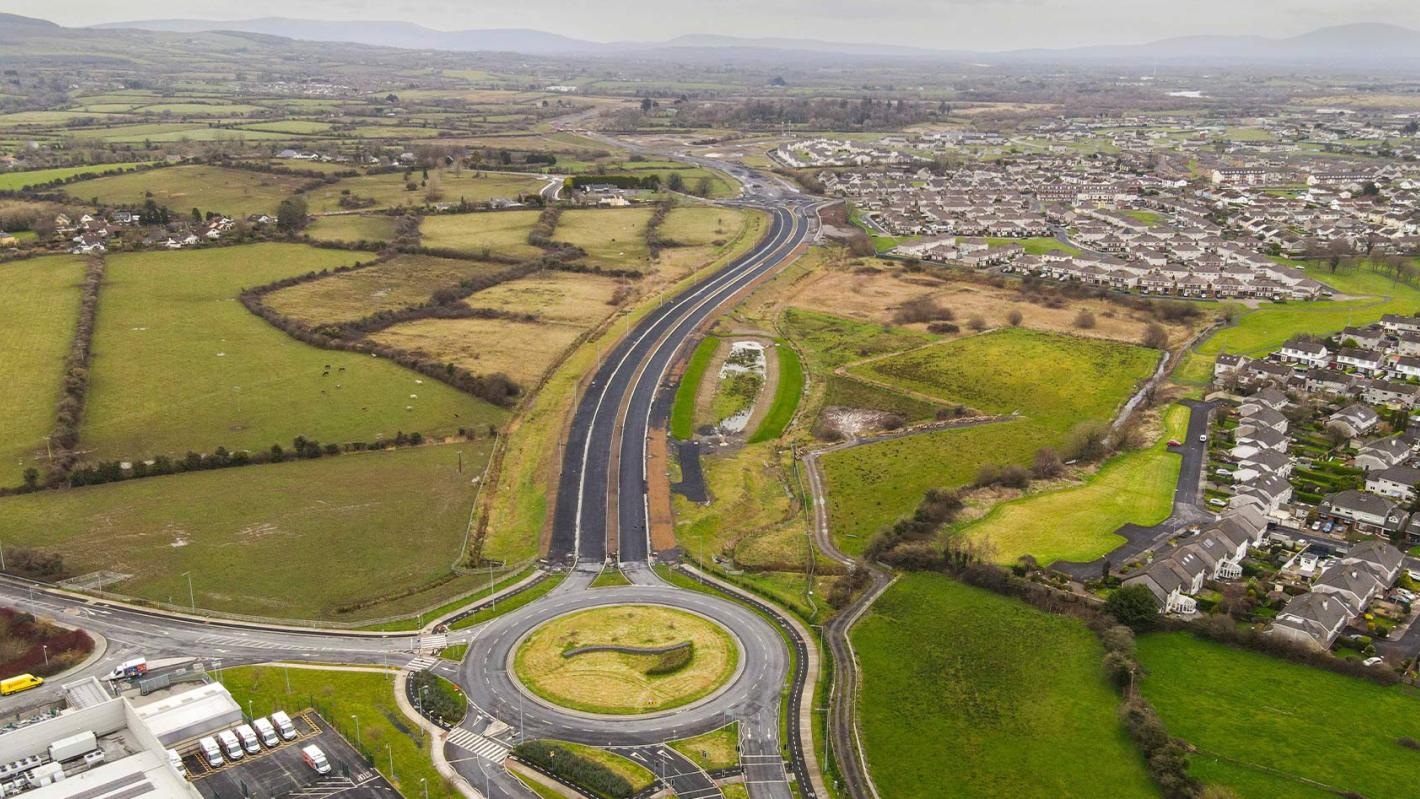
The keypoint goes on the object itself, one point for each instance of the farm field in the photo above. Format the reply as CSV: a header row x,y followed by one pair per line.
x,y
501,232
1057,381
701,233
400,282
180,365
567,298
520,350
1271,714
39,301
613,238
353,228
288,540
14,181
832,341
237,192
1078,523
390,190
975,693
338,695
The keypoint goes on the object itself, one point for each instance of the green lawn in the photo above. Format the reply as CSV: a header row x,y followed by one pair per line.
x,y
967,693
1037,245
510,604
787,391
39,301
293,540
501,232
1079,523
400,282
1056,380
1273,714
716,749
683,408
1147,217
14,181
180,365
384,729
832,341
182,188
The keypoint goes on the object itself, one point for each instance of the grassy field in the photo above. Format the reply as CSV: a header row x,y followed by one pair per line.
x,y
714,750
832,341
180,365
1056,380
342,694
960,701
621,683
787,391
565,298
613,238
518,349
39,301
291,540
847,392
1265,713
870,486
230,191
353,228
683,409
504,232
391,190
1078,523
400,282
14,181
1036,246
510,604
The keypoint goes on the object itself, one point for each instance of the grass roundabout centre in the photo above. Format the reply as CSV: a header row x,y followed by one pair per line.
x,y
626,659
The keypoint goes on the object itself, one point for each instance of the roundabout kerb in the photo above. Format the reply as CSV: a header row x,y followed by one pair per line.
x,y
721,684
489,673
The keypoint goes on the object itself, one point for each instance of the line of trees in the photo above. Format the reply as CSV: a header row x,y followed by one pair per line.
x,y
64,437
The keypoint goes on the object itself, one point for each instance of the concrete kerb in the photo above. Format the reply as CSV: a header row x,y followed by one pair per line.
x,y
436,734
813,670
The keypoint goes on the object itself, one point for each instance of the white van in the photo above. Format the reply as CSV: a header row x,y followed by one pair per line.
x,y
176,760
230,745
283,723
210,752
266,732
248,739
315,758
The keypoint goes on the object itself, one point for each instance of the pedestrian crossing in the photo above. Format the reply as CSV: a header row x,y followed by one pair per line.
x,y
470,741
434,642
421,663
222,642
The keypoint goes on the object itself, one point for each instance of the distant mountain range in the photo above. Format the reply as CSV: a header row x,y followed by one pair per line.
x,y
1361,44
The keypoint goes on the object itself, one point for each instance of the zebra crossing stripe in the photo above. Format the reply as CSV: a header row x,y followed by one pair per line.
x,y
421,663
470,741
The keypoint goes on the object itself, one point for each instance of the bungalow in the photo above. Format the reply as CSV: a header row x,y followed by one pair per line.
x,y
1396,482
1262,372
1383,453
1314,619
1369,512
1306,352
1355,419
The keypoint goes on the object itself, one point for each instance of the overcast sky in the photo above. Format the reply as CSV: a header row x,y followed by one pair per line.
x,y
968,24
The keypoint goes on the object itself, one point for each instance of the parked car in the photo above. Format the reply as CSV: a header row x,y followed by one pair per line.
x,y
1372,661
1203,438
284,725
1217,502
210,752
176,760
1316,525
1413,574
315,758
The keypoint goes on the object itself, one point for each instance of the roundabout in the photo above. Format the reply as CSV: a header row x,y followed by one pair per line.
x,y
629,659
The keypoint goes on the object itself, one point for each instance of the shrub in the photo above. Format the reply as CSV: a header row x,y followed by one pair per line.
x,y
922,309
672,661
1134,606
1014,318
572,767
1084,319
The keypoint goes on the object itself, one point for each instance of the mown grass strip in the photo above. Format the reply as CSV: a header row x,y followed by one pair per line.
x,y
786,395
510,604
683,410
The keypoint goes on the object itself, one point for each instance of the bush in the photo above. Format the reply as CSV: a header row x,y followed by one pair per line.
x,y
921,309
1014,318
1084,320
572,767
1134,606
672,661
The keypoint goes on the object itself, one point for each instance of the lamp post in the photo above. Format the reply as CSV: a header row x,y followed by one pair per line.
x,y
191,597
424,783
45,648
390,749
357,727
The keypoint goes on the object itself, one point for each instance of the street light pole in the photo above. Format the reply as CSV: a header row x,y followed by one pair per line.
x,y
357,727
191,597
424,783
389,748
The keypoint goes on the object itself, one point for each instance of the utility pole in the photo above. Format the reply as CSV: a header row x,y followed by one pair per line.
x,y
191,597
357,727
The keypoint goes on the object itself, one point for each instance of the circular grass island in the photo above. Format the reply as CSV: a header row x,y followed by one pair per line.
x,y
626,659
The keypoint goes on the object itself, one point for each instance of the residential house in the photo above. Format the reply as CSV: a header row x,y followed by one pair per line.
x,y
1397,482
1370,513
1383,453
1355,419
1306,352
1314,619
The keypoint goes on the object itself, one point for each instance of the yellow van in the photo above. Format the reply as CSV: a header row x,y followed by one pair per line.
x,y
18,683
